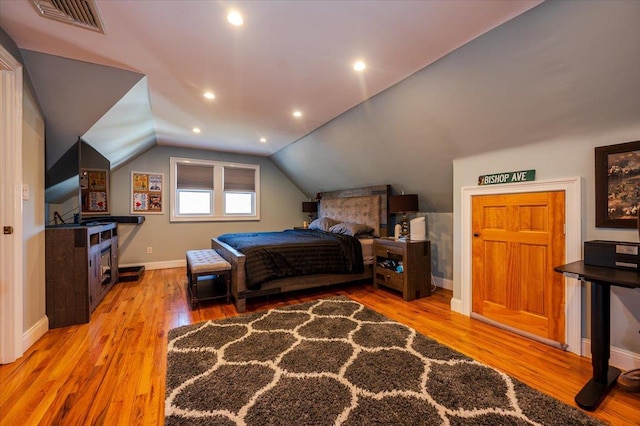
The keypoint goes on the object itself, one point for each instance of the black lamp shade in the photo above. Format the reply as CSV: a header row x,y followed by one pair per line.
x,y
309,206
403,203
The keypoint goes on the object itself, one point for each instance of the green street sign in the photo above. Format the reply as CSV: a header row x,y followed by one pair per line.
x,y
507,177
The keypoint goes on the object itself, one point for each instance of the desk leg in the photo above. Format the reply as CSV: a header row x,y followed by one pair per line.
x,y
604,377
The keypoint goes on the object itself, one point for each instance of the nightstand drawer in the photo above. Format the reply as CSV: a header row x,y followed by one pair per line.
x,y
385,250
389,278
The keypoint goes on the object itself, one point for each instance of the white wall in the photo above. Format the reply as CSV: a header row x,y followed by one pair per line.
x,y
560,158
279,198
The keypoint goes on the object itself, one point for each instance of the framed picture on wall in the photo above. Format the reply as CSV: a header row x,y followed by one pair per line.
x,y
94,191
618,185
147,193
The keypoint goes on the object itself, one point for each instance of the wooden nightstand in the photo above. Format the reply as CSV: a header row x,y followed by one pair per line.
x,y
415,279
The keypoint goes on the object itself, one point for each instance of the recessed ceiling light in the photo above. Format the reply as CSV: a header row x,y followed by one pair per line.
x,y
263,140
196,130
209,95
359,65
235,18
297,114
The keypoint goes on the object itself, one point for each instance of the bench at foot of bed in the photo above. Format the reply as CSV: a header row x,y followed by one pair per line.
x,y
207,262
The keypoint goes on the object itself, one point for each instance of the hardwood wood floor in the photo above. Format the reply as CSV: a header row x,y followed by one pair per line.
x,y
112,370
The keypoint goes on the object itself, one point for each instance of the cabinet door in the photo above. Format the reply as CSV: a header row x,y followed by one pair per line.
x,y
94,276
114,259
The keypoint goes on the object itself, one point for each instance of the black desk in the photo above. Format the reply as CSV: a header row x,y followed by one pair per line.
x,y
604,376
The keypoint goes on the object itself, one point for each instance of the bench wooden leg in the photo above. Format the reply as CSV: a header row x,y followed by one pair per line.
x,y
193,291
227,282
190,286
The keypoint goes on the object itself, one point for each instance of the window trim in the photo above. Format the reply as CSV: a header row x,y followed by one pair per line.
x,y
218,192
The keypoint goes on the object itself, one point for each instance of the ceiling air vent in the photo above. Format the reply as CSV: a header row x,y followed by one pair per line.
x,y
82,13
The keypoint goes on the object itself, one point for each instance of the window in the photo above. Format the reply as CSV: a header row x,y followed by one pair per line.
x,y
194,189
239,190
204,190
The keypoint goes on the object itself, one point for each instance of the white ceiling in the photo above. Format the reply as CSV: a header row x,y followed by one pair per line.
x,y
288,55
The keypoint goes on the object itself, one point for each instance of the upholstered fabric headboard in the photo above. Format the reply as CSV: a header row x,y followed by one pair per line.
x,y
367,205
364,210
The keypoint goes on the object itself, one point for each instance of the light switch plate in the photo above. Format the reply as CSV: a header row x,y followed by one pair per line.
x,y
25,192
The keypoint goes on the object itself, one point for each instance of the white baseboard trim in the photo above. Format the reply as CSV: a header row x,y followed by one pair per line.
x,y
34,333
456,305
442,282
621,358
165,264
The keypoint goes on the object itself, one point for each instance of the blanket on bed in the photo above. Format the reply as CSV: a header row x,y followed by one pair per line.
x,y
273,255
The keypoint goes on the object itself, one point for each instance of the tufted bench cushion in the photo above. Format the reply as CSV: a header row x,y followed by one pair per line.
x,y
206,262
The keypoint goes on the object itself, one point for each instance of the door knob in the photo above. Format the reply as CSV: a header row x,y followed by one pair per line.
x,y
476,235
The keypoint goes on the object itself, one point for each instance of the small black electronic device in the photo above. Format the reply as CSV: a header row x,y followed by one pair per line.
x,y
612,254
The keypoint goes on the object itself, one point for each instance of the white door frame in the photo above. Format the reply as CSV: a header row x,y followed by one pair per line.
x,y
573,246
11,246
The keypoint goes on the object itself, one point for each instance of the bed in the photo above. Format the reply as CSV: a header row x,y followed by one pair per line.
x,y
366,206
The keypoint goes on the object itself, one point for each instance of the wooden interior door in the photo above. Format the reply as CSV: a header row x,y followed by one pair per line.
x,y
517,240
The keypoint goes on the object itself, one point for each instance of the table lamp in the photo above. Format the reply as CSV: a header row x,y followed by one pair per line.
x,y
403,204
309,207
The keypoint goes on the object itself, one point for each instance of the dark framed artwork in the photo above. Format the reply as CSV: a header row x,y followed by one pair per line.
x,y
146,193
618,185
94,191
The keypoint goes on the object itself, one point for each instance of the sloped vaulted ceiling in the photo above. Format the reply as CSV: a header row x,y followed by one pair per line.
x,y
565,69
546,71
288,55
75,95
127,129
